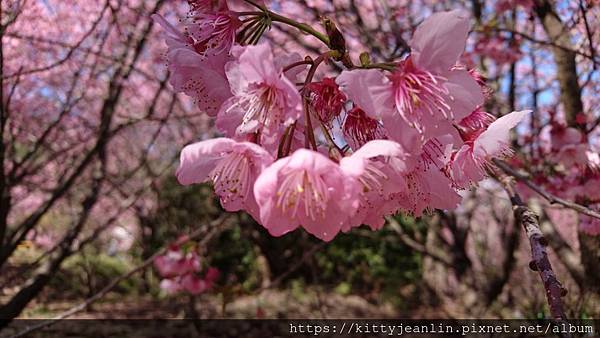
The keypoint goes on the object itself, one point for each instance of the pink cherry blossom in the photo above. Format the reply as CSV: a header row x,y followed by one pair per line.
x,y
420,95
429,92
200,77
379,166
232,166
306,189
176,263
190,282
426,90
264,99
214,31
414,127
469,163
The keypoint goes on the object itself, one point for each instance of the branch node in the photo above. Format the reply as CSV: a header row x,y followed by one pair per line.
x,y
533,266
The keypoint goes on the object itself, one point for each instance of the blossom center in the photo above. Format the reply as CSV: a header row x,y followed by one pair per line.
x,y
418,92
260,105
372,179
232,177
302,191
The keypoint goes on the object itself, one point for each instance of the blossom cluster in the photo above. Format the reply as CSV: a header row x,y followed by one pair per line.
x,y
575,165
329,153
181,272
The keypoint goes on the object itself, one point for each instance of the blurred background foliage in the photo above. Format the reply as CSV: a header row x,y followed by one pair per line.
x,y
372,269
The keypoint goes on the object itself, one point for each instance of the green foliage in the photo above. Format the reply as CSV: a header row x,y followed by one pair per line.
x,y
365,261
235,256
85,273
179,209
361,261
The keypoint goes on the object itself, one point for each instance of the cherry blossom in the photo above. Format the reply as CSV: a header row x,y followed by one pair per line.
x,y
332,154
175,263
181,272
306,189
379,166
428,90
264,100
232,166
469,163
200,77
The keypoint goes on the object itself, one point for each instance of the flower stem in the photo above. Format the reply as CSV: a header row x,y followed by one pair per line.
x,y
299,25
385,66
296,64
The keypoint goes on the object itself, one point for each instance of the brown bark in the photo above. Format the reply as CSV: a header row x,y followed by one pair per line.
x,y
564,57
539,256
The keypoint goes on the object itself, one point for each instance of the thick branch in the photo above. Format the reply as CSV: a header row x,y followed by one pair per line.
x,y
540,262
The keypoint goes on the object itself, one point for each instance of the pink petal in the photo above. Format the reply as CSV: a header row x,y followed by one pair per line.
x,y
464,169
399,131
270,215
368,89
199,78
173,37
439,40
495,140
306,189
466,95
199,159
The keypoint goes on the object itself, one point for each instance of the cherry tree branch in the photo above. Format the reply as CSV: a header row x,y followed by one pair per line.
x,y
546,195
415,245
540,262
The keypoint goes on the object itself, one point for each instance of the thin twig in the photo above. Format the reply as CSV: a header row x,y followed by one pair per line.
x,y
415,245
546,195
307,255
